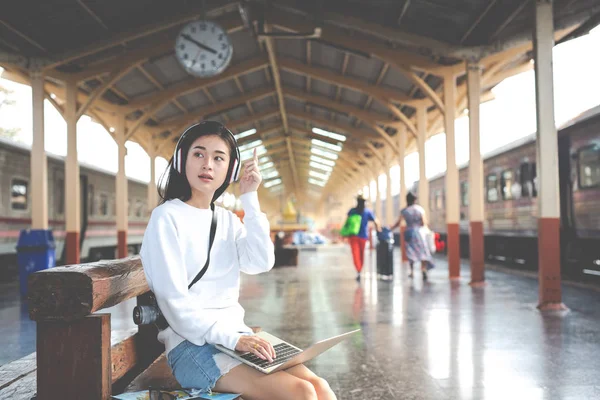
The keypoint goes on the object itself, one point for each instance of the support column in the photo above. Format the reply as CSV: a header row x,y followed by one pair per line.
x,y
39,165
547,162
402,194
421,138
72,191
378,205
152,190
389,210
121,189
476,242
452,203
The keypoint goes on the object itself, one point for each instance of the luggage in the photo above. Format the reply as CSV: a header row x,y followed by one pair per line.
x,y
385,254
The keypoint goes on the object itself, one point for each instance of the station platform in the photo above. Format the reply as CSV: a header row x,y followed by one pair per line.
x,y
438,339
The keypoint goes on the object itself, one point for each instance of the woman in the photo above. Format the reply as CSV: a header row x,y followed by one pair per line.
x,y
359,241
174,249
415,246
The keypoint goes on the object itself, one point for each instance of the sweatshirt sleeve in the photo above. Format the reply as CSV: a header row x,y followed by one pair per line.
x,y
164,264
256,251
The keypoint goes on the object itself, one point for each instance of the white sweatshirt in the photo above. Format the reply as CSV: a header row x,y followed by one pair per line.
x,y
174,251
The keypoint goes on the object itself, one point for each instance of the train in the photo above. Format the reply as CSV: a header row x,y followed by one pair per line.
x,y
510,200
98,208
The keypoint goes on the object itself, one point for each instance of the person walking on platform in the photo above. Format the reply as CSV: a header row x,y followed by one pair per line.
x,y
186,232
358,241
415,245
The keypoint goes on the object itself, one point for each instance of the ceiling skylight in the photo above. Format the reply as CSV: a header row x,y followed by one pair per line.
x,y
274,182
328,134
245,134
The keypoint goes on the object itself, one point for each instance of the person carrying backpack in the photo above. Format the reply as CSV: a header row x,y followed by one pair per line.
x,y
355,229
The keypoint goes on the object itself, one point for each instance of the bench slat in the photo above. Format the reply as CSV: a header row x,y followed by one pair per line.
x,y
73,292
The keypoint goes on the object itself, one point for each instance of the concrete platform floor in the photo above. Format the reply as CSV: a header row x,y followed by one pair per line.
x,y
432,340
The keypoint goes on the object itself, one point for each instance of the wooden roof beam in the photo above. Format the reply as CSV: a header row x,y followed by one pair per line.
x,y
277,81
336,127
194,85
371,119
194,115
191,13
402,61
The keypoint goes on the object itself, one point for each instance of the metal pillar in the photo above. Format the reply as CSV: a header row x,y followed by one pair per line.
x,y
39,164
476,217
72,190
421,138
121,189
452,205
402,194
547,162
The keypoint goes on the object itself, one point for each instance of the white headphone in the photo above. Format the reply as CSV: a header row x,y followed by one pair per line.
x,y
234,168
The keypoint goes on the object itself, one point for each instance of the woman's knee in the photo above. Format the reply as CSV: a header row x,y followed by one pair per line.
x,y
304,390
321,386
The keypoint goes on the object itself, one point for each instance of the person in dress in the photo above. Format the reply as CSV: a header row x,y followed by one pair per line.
x,y
415,245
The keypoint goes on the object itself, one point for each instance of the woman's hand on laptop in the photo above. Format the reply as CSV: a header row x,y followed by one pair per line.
x,y
253,344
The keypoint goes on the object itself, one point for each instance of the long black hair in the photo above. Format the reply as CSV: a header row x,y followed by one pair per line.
x,y
411,198
173,184
360,204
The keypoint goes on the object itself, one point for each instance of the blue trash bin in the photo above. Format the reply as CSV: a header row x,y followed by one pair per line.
x,y
35,252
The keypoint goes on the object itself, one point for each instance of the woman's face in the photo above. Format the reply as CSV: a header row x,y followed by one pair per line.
x,y
207,163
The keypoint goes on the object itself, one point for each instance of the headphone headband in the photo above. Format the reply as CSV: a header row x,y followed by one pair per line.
x,y
234,166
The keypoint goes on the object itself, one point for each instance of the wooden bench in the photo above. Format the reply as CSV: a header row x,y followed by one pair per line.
x,y
76,357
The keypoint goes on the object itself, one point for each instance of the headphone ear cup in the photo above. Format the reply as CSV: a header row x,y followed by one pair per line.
x,y
235,172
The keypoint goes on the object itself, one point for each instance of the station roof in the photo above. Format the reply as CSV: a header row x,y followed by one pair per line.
x,y
361,75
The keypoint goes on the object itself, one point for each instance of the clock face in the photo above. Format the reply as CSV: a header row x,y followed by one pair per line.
x,y
203,48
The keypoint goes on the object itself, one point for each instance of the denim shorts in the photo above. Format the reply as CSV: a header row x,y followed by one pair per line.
x,y
199,367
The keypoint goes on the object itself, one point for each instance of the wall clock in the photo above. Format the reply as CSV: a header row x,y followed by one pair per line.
x,y
203,48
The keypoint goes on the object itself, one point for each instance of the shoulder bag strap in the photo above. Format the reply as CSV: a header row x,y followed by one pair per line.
x,y
213,229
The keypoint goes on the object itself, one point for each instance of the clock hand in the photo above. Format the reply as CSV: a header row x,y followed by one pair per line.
x,y
197,43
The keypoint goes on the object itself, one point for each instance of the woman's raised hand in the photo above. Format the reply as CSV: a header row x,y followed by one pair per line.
x,y
260,347
252,177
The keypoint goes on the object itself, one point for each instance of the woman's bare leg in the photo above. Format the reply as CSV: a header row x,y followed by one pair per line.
x,y
254,385
321,386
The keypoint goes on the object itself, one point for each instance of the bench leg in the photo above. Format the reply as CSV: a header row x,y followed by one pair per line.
x,y
73,359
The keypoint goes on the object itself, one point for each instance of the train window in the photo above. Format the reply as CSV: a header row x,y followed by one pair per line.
x,y
464,193
92,199
60,196
492,188
139,208
439,200
432,201
506,183
103,204
589,167
527,179
18,197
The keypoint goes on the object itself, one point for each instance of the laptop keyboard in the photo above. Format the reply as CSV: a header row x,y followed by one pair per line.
x,y
283,351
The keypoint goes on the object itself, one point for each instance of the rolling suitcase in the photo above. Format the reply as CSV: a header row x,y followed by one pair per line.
x,y
385,254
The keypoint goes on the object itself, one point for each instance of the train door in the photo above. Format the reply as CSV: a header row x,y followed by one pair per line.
x,y
567,231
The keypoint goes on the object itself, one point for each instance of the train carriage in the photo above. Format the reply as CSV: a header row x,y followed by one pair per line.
x,y
510,199
98,220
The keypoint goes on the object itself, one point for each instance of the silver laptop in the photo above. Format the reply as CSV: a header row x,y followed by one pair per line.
x,y
287,355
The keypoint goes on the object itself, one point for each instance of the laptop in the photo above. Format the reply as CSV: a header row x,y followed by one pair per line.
x,y
288,355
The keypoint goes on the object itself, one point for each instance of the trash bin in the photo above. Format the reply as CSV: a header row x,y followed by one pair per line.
x,y
385,254
35,252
